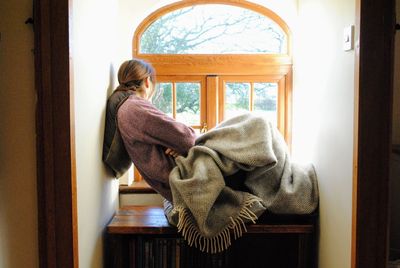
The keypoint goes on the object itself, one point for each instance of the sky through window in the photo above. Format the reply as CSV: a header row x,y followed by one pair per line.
x,y
213,29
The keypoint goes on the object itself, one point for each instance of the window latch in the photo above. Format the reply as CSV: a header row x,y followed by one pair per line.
x,y
204,129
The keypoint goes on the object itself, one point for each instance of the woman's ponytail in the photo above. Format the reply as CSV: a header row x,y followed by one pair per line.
x,y
132,74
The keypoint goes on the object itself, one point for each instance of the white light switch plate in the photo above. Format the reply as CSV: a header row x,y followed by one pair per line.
x,y
348,38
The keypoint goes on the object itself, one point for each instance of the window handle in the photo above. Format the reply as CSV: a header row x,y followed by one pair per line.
x,y
204,129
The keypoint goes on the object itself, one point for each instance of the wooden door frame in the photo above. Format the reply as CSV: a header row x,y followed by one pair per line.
x,y
372,132
56,178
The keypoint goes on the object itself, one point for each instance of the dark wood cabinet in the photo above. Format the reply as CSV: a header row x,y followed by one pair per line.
x,y
141,237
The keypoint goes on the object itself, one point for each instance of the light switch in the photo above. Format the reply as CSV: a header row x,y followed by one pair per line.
x,y
348,38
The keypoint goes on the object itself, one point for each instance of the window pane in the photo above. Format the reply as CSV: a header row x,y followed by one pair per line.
x,y
266,100
213,29
237,99
188,103
162,98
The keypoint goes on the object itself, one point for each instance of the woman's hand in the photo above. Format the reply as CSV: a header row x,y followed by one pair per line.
x,y
171,152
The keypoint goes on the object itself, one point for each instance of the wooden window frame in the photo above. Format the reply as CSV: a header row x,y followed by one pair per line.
x,y
188,79
276,66
186,3
217,67
283,104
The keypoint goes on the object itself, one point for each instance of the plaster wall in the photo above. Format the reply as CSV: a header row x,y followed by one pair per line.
x,y
18,198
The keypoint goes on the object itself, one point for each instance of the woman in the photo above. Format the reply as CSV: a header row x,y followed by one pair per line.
x,y
151,138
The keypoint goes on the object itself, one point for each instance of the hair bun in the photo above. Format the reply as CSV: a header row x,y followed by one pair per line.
x,y
133,83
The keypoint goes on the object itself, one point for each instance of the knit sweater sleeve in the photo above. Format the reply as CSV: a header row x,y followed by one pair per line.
x,y
150,125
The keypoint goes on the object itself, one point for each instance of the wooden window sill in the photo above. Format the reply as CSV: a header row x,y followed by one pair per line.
x,y
138,187
152,220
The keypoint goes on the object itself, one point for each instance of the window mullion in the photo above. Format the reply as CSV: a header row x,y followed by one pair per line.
x,y
251,103
174,100
281,105
221,99
212,101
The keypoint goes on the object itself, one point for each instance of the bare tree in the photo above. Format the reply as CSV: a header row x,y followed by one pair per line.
x,y
165,37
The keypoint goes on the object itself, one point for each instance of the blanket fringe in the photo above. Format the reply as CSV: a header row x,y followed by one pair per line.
x,y
221,241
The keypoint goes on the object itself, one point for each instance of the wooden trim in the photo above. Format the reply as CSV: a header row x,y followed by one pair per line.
x,y
372,145
203,102
284,108
56,175
137,177
212,101
355,135
288,108
173,79
73,185
219,64
252,78
152,220
251,102
221,99
281,109
136,187
181,4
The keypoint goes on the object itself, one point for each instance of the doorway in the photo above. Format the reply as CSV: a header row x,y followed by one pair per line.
x,y
57,186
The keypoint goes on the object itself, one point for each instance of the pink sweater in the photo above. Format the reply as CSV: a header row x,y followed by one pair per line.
x,y
147,133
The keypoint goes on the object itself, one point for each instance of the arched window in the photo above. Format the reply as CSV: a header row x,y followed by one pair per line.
x,y
213,29
216,59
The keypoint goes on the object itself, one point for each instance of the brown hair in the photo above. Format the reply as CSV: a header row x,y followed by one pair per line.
x,y
132,73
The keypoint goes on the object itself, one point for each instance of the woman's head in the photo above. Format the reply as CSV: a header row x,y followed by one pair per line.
x,y
137,75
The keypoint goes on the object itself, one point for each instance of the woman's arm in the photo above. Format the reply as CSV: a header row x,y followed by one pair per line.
x,y
166,131
149,125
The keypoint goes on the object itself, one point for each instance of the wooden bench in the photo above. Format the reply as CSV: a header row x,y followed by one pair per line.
x,y
140,236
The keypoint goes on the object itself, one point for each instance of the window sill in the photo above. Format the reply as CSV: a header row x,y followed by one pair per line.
x,y
137,187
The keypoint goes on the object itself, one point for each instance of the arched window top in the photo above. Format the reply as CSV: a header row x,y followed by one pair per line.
x,y
213,29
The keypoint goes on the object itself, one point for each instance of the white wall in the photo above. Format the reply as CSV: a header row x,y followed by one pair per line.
x,y
93,47
323,118
18,200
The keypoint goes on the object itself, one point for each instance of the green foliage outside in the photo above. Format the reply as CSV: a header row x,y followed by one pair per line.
x,y
187,98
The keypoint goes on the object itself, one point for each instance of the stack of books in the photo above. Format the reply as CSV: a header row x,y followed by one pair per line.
x,y
170,252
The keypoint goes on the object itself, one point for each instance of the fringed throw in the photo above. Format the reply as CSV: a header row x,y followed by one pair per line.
x,y
207,212
222,240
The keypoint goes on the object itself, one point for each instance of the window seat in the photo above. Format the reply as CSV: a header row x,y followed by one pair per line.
x,y
140,236
139,194
137,187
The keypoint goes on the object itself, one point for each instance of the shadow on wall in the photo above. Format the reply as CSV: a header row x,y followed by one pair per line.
x,y
109,187
110,89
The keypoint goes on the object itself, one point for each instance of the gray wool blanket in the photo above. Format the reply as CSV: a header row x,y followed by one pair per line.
x,y
207,211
